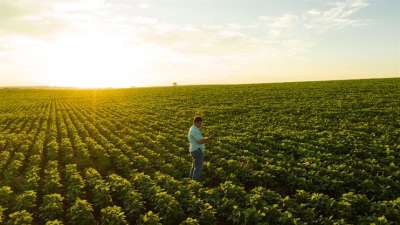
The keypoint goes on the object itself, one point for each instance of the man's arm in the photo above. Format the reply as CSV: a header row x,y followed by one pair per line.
x,y
204,140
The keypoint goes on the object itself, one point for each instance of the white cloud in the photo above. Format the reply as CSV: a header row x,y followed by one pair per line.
x,y
143,5
314,12
24,17
339,15
146,20
280,26
280,22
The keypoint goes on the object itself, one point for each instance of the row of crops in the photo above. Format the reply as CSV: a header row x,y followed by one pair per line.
x,y
291,153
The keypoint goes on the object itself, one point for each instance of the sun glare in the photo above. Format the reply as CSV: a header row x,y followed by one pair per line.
x,y
92,61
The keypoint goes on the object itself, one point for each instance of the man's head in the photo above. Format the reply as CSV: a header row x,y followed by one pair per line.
x,y
197,121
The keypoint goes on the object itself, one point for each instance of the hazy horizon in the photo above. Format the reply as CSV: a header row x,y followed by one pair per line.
x,y
188,85
124,43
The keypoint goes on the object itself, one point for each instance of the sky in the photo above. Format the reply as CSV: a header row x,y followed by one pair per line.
x,y
124,43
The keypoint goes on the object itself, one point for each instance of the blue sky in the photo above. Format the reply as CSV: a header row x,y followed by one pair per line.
x,y
95,43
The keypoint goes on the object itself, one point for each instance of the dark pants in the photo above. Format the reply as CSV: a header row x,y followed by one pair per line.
x,y
197,164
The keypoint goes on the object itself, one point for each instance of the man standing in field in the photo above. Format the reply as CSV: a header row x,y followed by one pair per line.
x,y
196,148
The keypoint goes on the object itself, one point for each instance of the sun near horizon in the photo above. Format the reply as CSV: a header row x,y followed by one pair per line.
x,y
76,61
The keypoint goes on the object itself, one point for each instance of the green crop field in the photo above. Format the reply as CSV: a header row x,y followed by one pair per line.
x,y
287,153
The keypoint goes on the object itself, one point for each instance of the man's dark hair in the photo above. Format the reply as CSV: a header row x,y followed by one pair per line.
x,y
197,119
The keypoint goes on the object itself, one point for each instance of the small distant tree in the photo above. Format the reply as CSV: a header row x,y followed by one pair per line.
x,y
174,84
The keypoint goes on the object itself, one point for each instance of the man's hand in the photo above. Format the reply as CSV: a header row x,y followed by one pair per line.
x,y
206,139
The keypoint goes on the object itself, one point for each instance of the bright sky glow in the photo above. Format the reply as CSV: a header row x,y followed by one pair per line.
x,y
122,43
